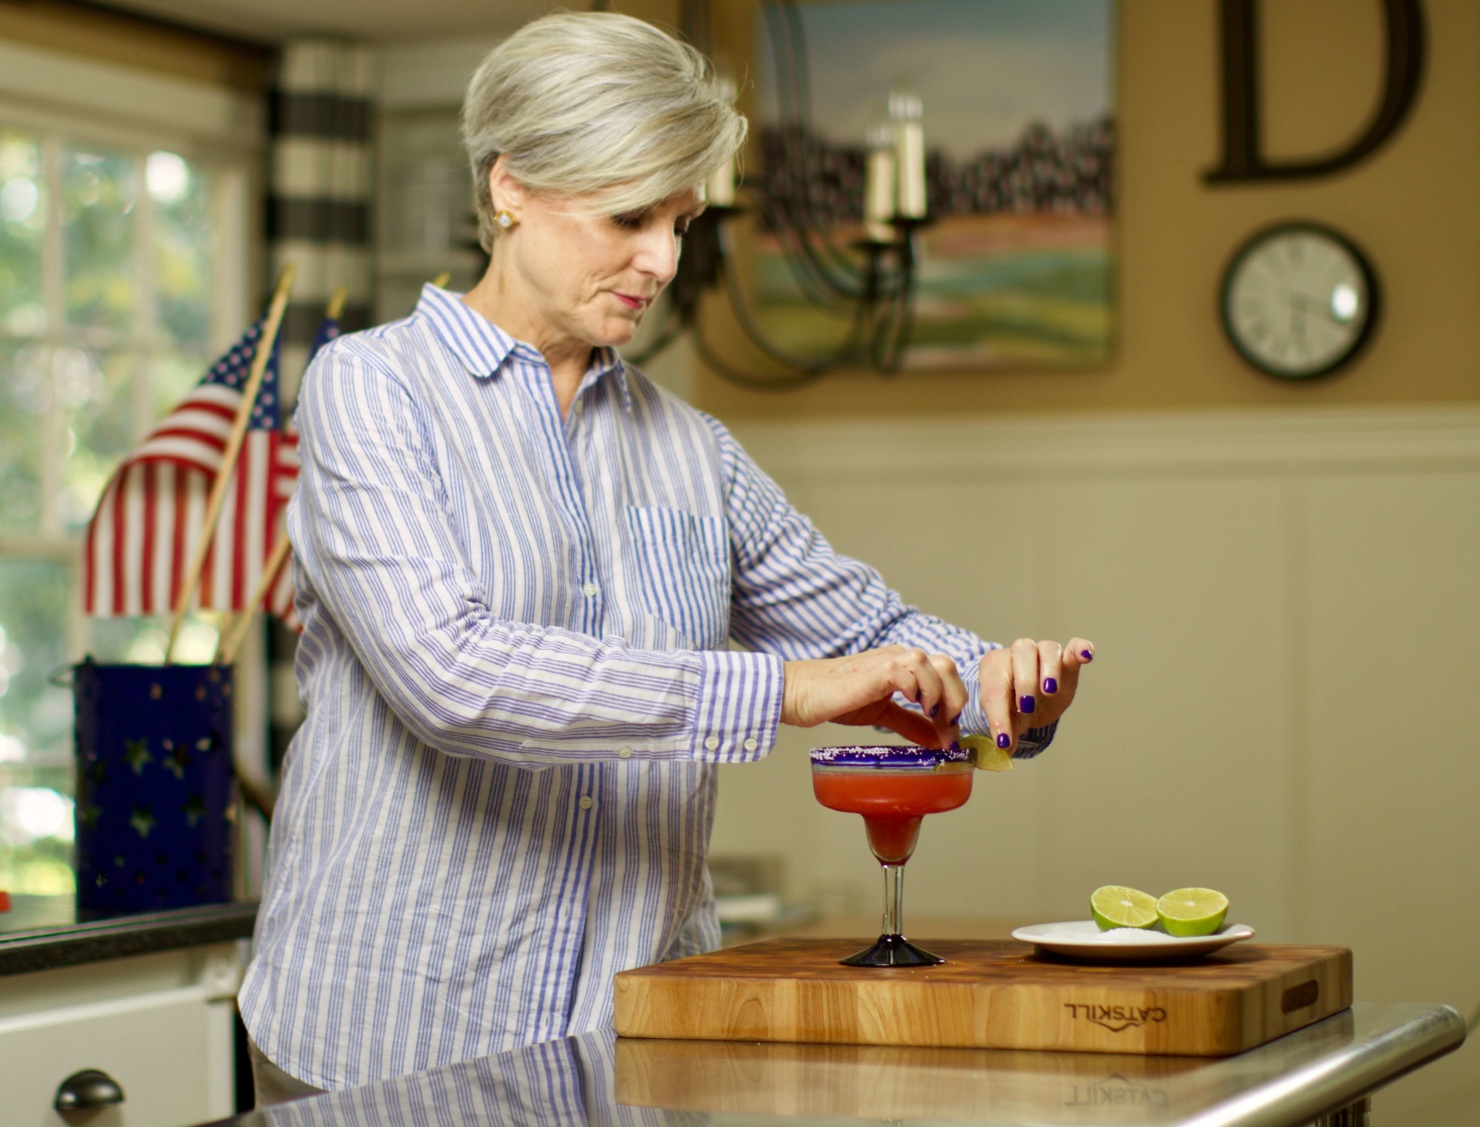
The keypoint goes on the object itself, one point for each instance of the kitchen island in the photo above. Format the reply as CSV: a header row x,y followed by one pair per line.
x,y
1321,1074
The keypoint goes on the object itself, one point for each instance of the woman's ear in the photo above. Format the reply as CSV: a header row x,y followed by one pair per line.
x,y
506,193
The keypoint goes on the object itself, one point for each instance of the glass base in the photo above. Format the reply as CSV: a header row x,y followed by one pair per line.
x,y
892,951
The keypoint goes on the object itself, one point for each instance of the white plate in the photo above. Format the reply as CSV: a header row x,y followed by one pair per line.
x,y
1083,939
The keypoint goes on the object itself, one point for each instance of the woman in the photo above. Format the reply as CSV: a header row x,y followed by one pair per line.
x,y
518,564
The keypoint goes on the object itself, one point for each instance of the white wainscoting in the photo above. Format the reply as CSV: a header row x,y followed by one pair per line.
x,y
1285,703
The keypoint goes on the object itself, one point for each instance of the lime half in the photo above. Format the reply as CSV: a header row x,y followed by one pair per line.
x,y
1114,905
989,757
1192,911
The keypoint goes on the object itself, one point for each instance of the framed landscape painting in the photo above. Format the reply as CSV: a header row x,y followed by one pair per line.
x,y
1015,269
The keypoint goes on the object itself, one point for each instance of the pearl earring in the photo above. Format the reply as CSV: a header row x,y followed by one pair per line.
x,y
504,219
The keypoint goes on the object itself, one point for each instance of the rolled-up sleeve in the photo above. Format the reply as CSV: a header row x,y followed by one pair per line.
x,y
374,541
796,597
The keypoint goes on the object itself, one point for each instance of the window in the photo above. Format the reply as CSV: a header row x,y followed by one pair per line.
x,y
122,270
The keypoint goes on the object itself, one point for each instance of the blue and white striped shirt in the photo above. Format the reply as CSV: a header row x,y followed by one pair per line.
x,y
517,682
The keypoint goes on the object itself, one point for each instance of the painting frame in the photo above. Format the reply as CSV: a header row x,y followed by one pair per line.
x,y
1017,266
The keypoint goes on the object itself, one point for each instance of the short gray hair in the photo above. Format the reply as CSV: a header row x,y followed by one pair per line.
x,y
596,104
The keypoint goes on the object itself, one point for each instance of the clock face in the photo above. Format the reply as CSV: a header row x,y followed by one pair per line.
x,y
1299,300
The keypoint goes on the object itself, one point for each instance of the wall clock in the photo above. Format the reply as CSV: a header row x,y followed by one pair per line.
x,y
1299,300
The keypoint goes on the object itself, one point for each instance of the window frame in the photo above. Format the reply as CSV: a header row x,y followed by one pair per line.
x,y
68,99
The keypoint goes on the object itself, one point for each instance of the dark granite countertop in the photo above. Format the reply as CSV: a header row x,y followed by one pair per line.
x,y
46,932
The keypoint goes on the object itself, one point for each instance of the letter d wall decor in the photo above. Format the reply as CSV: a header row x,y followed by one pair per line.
x,y
1243,158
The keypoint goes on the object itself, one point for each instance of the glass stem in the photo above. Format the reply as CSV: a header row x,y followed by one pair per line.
x,y
893,899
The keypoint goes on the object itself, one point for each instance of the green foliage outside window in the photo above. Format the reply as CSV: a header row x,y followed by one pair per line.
x,y
108,259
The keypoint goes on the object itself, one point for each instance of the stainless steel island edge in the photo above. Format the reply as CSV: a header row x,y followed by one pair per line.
x,y
1322,1073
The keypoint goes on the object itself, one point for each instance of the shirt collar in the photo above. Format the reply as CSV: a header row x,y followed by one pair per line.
x,y
484,348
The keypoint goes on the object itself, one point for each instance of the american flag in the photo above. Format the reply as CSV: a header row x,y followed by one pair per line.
x,y
144,533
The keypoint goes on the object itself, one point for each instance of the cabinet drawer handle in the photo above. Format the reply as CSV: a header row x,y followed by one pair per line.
x,y
87,1090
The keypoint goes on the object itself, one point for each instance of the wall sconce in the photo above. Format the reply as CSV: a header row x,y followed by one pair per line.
x,y
869,285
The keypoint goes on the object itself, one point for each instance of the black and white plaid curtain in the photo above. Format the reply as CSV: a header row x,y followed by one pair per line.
x,y
318,220
318,208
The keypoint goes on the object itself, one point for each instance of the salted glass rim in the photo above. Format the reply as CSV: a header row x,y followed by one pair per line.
x,y
896,756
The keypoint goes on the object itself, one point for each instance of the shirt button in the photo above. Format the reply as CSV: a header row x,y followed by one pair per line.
x,y
590,590
624,752
712,743
587,802
751,745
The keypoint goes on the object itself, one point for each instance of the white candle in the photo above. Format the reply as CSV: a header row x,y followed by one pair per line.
x,y
909,149
719,189
878,186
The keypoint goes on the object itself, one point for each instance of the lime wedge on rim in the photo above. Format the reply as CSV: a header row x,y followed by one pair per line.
x,y
989,757
1114,905
1192,911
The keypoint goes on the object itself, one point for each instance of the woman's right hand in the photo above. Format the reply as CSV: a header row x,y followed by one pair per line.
x,y
858,689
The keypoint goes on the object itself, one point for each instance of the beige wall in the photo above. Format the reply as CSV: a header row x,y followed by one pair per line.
x,y
1412,205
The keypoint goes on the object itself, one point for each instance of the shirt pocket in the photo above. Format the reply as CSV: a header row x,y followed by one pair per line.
x,y
683,567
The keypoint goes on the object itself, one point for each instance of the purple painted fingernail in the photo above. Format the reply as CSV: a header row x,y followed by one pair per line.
x,y
956,719
1050,685
1087,655
933,710
1026,704
1003,739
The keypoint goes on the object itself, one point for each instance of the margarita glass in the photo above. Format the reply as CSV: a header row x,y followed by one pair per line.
x,y
893,788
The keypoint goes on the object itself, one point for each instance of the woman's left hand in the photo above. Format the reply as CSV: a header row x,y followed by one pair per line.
x,y
1029,685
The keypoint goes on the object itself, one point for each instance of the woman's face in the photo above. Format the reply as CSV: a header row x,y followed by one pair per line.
x,y
578,277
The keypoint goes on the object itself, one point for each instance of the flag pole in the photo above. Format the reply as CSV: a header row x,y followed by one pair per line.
x,y
233,450
232,639
236,633
336,304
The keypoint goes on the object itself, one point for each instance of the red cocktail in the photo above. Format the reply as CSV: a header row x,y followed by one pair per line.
x,y
893,788
892,802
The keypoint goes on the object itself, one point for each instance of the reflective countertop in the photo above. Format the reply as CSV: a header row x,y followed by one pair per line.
x,y
600,1079
48,932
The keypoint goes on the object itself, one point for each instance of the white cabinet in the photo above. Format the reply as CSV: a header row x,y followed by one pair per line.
x,y
159,1025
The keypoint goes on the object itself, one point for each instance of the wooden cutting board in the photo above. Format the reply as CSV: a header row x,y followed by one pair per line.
x,y
989,994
